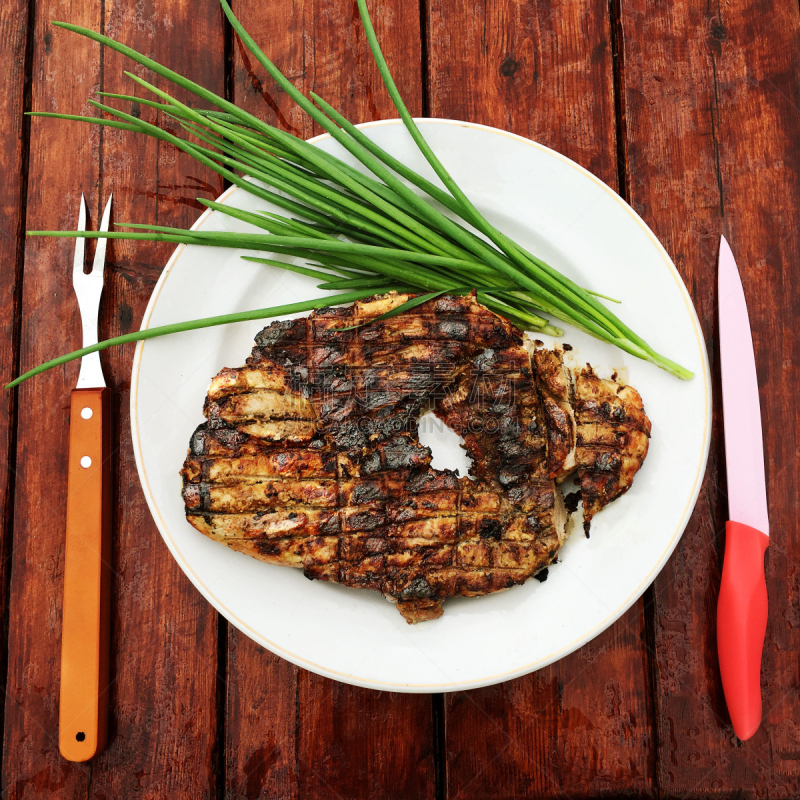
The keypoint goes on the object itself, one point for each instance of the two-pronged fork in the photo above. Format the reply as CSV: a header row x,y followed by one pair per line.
x,y
83,713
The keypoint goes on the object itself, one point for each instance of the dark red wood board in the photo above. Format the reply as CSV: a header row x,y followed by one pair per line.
x,y
164,636
580,727
712,129
689,110
304,743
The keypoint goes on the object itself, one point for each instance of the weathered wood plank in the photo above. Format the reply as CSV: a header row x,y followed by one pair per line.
x,y
64,72
542,70
261,718
261,697
713,131
362,743
580,727
582,723
165,632
13,164
347,742
163,696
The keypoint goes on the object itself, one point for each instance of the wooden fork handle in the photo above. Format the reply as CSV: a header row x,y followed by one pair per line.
x,y
83,713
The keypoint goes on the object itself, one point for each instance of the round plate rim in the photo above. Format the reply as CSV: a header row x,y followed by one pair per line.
x,y
489,679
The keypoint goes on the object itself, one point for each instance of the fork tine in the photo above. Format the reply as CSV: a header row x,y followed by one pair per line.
x,y
80,244
100,252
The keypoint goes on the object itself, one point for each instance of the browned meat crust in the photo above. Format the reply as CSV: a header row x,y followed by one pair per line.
x,y
612,439
596,428
310,456
555,386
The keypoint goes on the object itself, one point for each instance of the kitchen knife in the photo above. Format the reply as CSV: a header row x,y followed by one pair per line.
x,y
83,706
742,605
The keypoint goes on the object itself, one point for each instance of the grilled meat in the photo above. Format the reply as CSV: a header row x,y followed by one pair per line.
x,y
612,439
310,456
595,427
557,394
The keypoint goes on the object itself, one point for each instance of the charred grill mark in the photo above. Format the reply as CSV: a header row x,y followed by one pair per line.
x,y
348,436
490,529
366,492
197,444
330,330
418,589
453,329
431,482
401,452
366,520
282,332
327,356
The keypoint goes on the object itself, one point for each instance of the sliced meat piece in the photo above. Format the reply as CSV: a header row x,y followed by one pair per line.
x,y
557,390
612,439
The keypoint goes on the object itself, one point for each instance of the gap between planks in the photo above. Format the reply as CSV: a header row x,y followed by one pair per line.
x,y
221,754
621,133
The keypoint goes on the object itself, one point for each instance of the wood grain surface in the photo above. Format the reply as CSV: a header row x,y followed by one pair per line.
x,y
302,744
712,133
164,637
580,727
690,110
166,633
14,51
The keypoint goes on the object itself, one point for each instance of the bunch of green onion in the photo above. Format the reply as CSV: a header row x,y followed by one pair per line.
x,y
359,234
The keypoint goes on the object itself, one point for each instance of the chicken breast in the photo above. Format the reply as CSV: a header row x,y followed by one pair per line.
x,y
310,456
612,439
596,428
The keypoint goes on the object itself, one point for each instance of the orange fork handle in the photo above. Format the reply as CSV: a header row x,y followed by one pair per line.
x,y
83,713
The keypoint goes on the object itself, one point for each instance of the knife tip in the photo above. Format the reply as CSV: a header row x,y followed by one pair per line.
x,y
724,247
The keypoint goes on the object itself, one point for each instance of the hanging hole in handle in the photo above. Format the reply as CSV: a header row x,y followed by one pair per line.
x,y
80,736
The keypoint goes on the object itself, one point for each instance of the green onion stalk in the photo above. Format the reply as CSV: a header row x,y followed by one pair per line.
x,y
360,232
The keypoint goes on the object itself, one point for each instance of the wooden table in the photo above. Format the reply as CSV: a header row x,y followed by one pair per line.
x,y
689,110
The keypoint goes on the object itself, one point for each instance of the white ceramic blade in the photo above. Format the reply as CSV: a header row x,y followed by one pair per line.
x,y
744,448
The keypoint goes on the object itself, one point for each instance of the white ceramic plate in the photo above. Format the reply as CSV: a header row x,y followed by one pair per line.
x,y
574,221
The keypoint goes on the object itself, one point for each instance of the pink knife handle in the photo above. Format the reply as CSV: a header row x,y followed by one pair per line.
x,y
741,625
